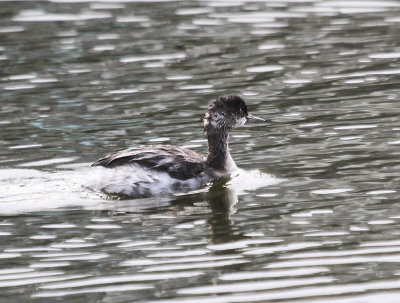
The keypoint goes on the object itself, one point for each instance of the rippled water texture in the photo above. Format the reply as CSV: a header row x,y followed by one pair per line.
x,y
312,216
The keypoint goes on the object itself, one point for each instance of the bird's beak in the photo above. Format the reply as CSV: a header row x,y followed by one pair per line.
x,y
254,118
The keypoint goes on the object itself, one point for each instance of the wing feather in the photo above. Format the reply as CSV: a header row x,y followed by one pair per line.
x,y
178,162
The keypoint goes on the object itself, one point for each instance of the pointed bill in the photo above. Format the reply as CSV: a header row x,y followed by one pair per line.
x,y
254,118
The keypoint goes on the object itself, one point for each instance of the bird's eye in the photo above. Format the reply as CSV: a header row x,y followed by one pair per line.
x,y
241,113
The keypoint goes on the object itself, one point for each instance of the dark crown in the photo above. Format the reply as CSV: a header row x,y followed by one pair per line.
x,y
230,104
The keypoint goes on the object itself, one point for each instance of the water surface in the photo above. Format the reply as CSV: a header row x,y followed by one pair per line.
x,y
313,216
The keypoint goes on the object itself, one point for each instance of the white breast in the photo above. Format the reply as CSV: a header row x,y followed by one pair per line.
x,y
230,165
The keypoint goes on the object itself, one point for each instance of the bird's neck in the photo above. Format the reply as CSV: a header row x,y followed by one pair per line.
x,y
218,156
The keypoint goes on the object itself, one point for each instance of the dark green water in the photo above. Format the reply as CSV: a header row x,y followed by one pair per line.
x,y
313,216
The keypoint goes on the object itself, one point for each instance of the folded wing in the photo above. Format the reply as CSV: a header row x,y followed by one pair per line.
x,y
179,163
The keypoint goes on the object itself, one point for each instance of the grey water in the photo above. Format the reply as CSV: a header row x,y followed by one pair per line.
x,y
313,215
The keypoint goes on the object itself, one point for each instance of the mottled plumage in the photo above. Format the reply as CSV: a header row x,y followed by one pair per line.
x,y
179,163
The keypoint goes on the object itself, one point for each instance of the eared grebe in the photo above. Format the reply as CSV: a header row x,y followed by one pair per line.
x,y
155,169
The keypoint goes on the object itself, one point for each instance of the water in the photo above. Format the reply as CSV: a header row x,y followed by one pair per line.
x,y
312,216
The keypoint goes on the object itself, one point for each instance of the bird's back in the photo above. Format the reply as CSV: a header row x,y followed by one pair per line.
x,y
179,163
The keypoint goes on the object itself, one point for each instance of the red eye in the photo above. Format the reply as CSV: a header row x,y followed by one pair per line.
x,y
241,113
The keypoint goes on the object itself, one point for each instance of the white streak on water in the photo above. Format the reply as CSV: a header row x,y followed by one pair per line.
x,y
41,16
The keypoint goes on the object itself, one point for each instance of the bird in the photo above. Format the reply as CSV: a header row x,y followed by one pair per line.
x,y
166,169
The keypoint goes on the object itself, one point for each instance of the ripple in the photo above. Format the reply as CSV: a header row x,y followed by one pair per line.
x,y
198,86
138,243
25,146
49,264
354,81
327,234
43,237
360,126
380,192
256,17
184,226
131,59
297,81
241,244
73,256
380,243
350,138
249,19
212,264
48,162
239,276
160,139
352,252
207,22
193,11
264,68
44,80
306,292
58,226
253,286
108,36
225,4
132,19
380,222
178,77
72,245
393,71
9,255
11,29
41,16
50,277
392,19
30,249
284,247
103,47
120,279
195,259
79,70
312,212
389,55
331,191
19,86
13,270
29,274
171,254
21,77
272,24
102,289
267,195
268,46
358,228
357,7
358,3
335,261
123,91
106,6
102,226
263,32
